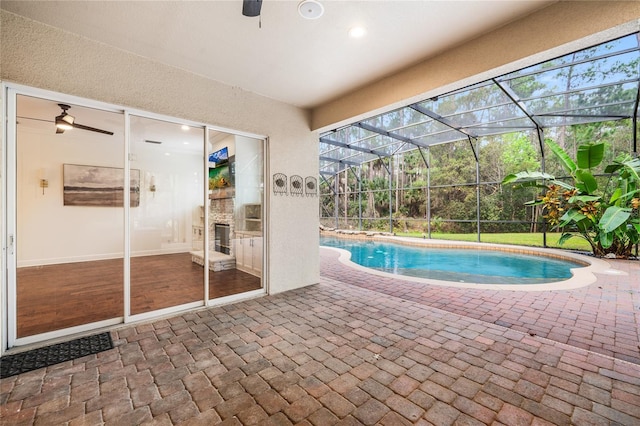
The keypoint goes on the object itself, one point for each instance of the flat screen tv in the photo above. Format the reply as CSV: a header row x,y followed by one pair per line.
x,y
220,156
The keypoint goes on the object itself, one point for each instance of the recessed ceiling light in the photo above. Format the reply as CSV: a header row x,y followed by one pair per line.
x,y
310,9
357,32
185,127
185,143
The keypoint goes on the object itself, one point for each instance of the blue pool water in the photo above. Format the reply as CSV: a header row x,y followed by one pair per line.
x,y
458,265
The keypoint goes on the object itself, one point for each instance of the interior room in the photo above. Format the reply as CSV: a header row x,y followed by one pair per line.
x,y
70,188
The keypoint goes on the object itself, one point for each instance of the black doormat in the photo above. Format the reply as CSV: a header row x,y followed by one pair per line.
x,y
10,365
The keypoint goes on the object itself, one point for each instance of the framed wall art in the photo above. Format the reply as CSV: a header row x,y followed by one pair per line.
x,y
98,186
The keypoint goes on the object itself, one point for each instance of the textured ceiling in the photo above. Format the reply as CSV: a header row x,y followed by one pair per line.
x,y
281,55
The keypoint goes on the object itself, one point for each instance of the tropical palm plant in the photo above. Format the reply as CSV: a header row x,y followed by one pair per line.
x,y
608,218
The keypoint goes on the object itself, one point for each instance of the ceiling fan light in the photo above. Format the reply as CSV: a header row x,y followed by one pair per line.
x,y
64,126
64,122
310,9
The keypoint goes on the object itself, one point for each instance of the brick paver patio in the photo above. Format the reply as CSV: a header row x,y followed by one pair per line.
x,y
331,353
603,317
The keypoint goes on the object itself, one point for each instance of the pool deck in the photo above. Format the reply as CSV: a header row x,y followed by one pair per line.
x,y
602,317
337,353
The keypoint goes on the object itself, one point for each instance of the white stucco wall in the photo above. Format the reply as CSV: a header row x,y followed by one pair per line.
x,y
41,56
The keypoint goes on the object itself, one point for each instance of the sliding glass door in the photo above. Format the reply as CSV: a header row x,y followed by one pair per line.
x,y
69,219
166,217
236,216
114,217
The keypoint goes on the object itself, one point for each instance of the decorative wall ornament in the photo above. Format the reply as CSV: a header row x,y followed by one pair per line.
x,y
296,185
280,184
310,186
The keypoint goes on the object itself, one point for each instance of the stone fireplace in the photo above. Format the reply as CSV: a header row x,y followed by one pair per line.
x,y
221,223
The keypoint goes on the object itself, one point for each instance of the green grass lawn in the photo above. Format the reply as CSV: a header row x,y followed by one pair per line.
x,y
534,240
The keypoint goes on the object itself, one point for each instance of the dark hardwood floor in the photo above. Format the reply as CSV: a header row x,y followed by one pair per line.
x,y
53,297
231,281
159,282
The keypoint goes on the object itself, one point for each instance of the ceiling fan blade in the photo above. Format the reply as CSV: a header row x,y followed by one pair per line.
x,y
92,129
33,118
251,7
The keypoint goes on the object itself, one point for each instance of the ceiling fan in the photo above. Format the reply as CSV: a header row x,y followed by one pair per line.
x,y
308,9
251,8
66,122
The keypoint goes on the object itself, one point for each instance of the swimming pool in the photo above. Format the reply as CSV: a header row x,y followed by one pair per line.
x,y
458,265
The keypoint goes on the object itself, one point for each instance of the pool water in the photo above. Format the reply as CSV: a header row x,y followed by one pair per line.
x,y
458,265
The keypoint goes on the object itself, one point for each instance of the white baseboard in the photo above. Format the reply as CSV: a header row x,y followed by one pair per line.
x,y
181,248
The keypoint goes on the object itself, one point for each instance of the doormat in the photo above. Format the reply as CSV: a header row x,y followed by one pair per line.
x,y
10,365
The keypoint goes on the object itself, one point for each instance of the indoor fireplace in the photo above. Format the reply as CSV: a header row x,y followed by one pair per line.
x,y
222,242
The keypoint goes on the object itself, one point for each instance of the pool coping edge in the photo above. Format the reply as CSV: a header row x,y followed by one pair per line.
x,y
581,277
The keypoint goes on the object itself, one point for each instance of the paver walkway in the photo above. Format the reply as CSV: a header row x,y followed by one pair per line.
x,y
603,317
331,353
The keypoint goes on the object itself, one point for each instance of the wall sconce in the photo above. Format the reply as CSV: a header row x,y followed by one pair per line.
x,y
42,177
152,185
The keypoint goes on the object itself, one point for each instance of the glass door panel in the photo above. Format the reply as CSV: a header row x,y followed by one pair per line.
x,y
167,224
236,214
70,216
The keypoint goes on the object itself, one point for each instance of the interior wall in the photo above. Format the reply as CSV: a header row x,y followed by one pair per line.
x,y
37,55
162,222
556,30
248,171
50,232
43,222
